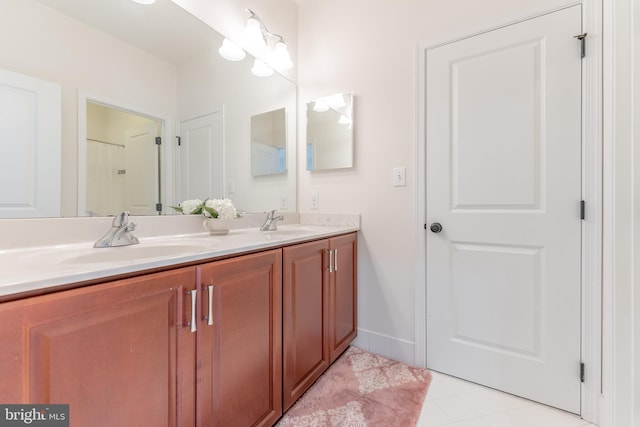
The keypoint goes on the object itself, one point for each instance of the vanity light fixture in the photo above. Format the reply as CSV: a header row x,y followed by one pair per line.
x,y
255,38
145,1
231,51
255,33
260,69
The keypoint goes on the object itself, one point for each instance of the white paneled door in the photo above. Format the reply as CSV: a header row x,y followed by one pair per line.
x,y
31,146
201,158
143,171
503,132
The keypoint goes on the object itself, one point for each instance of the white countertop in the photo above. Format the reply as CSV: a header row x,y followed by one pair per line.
x,y
36,268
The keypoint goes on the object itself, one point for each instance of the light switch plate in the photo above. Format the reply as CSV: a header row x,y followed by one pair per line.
x,y
399,176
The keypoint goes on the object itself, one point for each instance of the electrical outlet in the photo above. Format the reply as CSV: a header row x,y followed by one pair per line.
x,y
399,176
231,187
315,201
283,202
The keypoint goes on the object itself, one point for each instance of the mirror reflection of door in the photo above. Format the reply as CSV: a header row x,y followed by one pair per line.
x,y
122,162
201,158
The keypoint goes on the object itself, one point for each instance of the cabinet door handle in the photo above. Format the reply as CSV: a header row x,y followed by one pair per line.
x,y
330,261
193,309
335,260
210,314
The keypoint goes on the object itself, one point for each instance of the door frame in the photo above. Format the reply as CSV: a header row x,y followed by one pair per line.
x,y
166,155
592,174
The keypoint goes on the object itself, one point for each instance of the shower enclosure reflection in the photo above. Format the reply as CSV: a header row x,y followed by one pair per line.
x,y
122,162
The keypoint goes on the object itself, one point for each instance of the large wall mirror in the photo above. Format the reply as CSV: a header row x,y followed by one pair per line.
x,y
156,61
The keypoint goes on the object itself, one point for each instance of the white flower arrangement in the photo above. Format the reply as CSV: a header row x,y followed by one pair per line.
x,y
211,208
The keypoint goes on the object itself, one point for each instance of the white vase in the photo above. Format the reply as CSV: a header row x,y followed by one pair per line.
x,y
215,226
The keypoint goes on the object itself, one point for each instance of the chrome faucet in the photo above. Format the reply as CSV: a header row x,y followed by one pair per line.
x,y
119,234
270,223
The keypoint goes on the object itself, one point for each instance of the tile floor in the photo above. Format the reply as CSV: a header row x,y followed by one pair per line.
x,y
452,402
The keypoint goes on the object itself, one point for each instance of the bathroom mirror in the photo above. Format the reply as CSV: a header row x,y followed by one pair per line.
x,y
156,60
330,132
268,143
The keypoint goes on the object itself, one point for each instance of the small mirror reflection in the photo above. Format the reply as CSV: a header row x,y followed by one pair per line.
x,y
330,132
268,143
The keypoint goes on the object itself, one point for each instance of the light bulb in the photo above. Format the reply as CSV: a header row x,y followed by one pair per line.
x,y
261,69
231,51
344,120
281,58
320,105
253,35
337,101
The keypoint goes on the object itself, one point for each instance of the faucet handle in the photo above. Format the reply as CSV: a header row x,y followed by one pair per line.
x,y
121,219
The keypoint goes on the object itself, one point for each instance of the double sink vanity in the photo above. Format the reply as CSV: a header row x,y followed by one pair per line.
x,y
184,328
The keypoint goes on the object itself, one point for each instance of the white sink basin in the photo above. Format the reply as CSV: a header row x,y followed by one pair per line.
x,y
134,252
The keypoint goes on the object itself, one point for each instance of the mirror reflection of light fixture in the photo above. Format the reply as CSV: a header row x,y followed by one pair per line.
x,y
231,51
255,37
261,69
344,120
320,105
336,101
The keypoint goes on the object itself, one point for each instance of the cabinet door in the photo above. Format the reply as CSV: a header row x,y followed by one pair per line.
x,y
109,351
305,317
343,298
240,353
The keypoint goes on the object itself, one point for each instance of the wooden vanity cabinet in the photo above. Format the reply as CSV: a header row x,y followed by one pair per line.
x,y
114,352
320,316
343,294
217,344
305,317
239,344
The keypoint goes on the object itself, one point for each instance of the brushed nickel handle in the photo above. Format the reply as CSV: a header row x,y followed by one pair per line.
x,y
210,314
330,261
335,260
193,309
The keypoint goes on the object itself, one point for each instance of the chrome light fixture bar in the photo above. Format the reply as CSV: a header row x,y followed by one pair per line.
x,y
255,38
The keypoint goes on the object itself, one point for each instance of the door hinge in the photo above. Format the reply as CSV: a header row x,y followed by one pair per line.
x,y
583,209
179,140
581,372
583,44
158,207
158,140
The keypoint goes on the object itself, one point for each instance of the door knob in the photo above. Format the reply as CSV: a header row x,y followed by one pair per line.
x,y
436,227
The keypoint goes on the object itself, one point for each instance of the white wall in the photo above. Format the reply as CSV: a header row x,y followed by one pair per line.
x,y
43,43
370,48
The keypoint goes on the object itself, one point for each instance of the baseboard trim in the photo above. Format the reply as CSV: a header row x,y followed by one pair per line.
x,y
387,346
